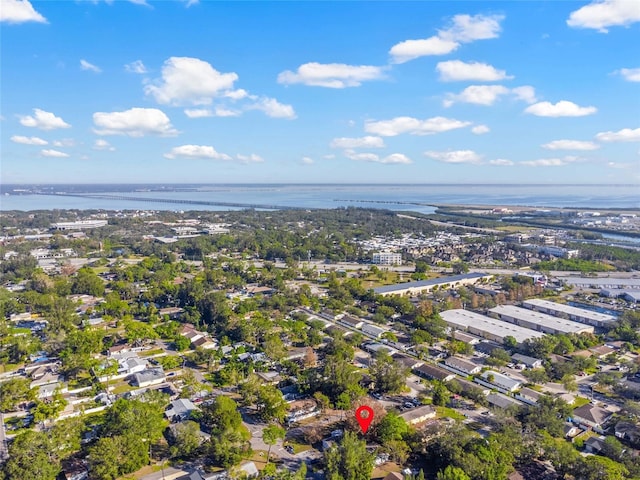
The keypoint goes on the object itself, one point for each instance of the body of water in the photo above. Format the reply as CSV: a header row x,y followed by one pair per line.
x,y
416,198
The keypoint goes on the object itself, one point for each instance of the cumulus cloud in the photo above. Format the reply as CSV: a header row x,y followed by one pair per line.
x,y
272,108
136,67
550,162
362,142
307,161
412,49
570,145
480,129
28,140
563,108
53,154
189,81
196,151
463,29
331,75
65,142
394,158
253,158
19,11
477,94
135,122
468,28
198,112
84,65
457,70
601,14
630,74
500,162
43,120
455,156
413,126
101,144
624,135
525,93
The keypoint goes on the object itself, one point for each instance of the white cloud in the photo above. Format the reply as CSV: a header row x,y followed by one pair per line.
x,y
363,142
225,112
601,14
331,75
526,93
456,156
488,94
550,162
467,28
477,94
394,158
102,144
570,145
501,162
43,120
307,161
190,3
630,74
457,70
196,151
274,109
463,29
619,165
563,108
413,126
65,142
19,11
135,122
84,65
236,94
53,154
412,49
253,158
198,112
28,140
624,135
189,81
480,129
136,67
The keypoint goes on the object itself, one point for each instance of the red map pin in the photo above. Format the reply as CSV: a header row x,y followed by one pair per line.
x,y
364,416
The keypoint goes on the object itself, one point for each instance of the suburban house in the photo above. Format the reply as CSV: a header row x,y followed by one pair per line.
x,y
180,410
502,401
529,396
352,322
419,415
146,378
499,381
529,362
592,416
460,365
435,373
372,330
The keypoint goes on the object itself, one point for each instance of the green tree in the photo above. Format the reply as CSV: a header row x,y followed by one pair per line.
x,y
271,404
440,394
186,440
349,460
32,457
271,435
13,392
389,376
391,427
452,473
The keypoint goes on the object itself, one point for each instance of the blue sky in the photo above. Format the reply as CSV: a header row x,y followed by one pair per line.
x,y
320,92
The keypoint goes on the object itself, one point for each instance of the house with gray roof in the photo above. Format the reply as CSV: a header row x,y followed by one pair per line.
x,y
180,410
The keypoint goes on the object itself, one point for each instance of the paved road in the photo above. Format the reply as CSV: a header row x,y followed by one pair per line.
x,y
4,453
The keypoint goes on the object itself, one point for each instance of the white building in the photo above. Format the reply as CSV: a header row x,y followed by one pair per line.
x,y
499,381
387,258
581,315
539,321
79,225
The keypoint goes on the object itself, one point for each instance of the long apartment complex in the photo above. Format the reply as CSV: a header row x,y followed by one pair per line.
x,y
487,327
538,321
576,314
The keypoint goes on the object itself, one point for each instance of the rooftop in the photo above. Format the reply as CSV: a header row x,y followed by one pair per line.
x,y
547,323
465,319
569,310
428,283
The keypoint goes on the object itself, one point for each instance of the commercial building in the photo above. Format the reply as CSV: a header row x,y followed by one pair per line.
x,y
581,315
487,327
79,225
416,288
387,258
538,321
372,330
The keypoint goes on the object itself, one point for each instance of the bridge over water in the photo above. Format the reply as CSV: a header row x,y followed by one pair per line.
x,y
174,201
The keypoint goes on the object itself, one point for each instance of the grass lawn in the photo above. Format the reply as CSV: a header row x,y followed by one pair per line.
x,y
122,388
148,353
449,412
298,447
579,402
